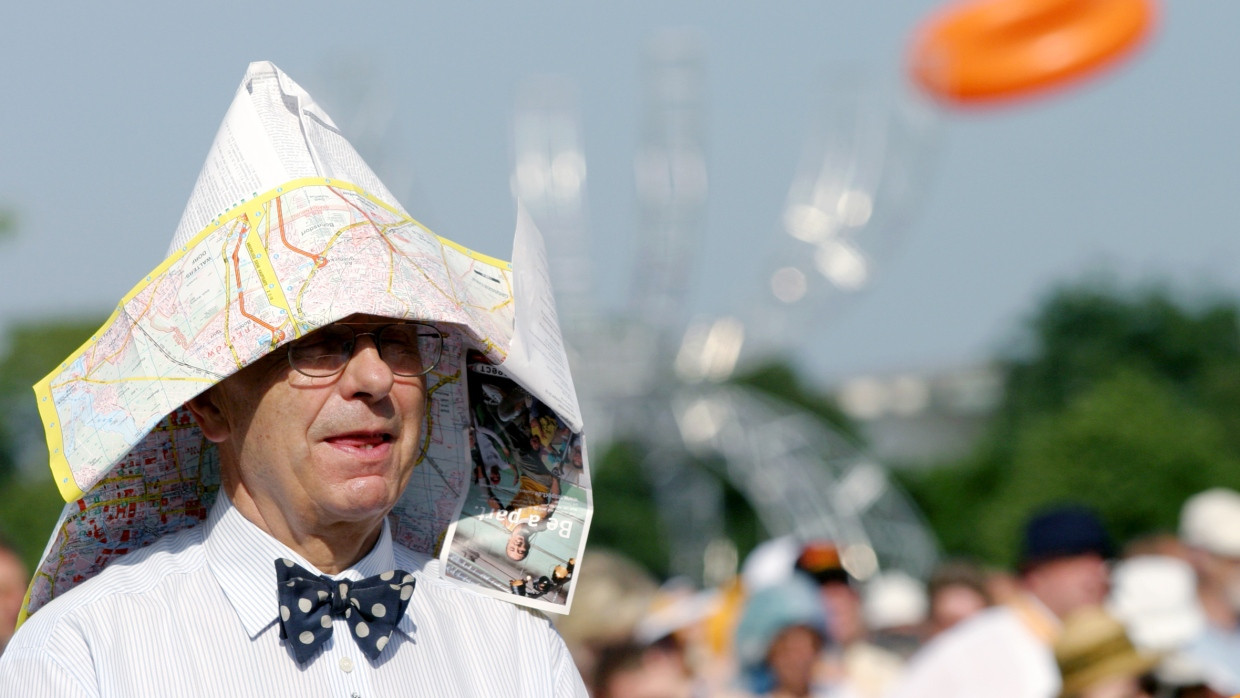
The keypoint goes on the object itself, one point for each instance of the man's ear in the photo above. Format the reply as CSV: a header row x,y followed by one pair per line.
x,y
210,417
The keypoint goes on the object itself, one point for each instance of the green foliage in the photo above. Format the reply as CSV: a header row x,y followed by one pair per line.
x,y
8,223
1128,401
1086,333
29,509
741,523
626,519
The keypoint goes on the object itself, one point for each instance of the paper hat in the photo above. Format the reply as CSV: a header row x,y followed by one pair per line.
x,y
287,230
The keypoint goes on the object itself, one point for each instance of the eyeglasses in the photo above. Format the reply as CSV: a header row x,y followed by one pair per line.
x,y
409,349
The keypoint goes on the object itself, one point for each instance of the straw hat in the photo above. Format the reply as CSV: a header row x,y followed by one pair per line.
x,y
1092,647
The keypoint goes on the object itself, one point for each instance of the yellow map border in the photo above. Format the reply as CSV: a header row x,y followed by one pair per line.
x,y
62,473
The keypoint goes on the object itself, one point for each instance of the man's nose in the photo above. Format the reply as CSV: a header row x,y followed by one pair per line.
x,y
367,374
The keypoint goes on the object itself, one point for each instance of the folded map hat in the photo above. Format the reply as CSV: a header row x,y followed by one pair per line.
x,y
287,230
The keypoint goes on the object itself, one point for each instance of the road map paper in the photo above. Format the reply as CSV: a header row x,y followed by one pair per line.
x,y
524,519
287,230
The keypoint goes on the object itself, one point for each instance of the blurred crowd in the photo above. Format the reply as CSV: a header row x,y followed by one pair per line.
x,y
1078,617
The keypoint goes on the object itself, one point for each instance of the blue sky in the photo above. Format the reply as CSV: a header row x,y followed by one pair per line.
x,y
109,110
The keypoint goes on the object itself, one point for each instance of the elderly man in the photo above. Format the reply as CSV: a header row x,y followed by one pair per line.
x,y
1007,650
302,577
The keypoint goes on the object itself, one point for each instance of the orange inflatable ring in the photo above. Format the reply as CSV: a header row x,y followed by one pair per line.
x,y
992,49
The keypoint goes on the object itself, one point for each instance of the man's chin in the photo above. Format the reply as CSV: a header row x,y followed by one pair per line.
x,y
366,499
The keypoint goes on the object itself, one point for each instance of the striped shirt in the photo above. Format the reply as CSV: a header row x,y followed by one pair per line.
x,y
195,615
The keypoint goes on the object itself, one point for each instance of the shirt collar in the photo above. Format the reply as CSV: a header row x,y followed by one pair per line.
x,y
242,558
1035,616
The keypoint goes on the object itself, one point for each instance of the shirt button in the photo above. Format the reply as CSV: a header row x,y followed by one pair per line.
x,y
346,664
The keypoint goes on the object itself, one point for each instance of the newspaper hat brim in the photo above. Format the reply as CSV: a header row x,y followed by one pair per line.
x,y
287,230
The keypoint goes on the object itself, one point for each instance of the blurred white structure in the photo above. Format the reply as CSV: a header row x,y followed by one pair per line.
x,y
654,377
915,418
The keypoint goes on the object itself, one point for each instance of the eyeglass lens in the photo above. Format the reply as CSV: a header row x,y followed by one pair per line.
x,y
409,349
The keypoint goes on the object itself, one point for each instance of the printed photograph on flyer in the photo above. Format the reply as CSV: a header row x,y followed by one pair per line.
x,y
523,521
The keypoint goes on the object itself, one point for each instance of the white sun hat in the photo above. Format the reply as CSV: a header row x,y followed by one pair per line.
x,y
1155,596
894,599
1210,520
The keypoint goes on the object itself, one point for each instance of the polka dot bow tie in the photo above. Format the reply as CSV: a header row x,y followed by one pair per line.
x,y
309,602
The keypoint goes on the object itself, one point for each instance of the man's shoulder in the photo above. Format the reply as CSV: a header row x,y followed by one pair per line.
x,y
991,619
979,630
136,573
988,654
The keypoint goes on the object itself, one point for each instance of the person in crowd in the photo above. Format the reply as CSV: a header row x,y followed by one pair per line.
x,y
821,561
1096,659
294,584
957,590
613,595
636,670
895,609
13,581
1155,597
1210,532
780,639
1006,650
852,660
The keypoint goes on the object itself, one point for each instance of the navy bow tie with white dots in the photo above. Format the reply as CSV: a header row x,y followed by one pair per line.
x,y
309,602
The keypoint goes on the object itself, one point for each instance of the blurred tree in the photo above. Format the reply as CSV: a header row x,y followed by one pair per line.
x,y
1085,333
626,519
29,501
8,223
29,508
1125,400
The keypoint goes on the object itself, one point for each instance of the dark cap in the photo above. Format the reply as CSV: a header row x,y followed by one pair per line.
x,y
1063,531
821,560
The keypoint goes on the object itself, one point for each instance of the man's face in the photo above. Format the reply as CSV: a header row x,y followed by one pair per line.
x,y
791,658
1219,571
1068,583
1114,687
321,451
952,604
843,606
518,546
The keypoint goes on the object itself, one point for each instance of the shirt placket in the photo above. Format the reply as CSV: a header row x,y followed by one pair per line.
x,y
347,668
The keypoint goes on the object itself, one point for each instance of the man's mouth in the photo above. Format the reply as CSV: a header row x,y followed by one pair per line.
x,y
361,440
